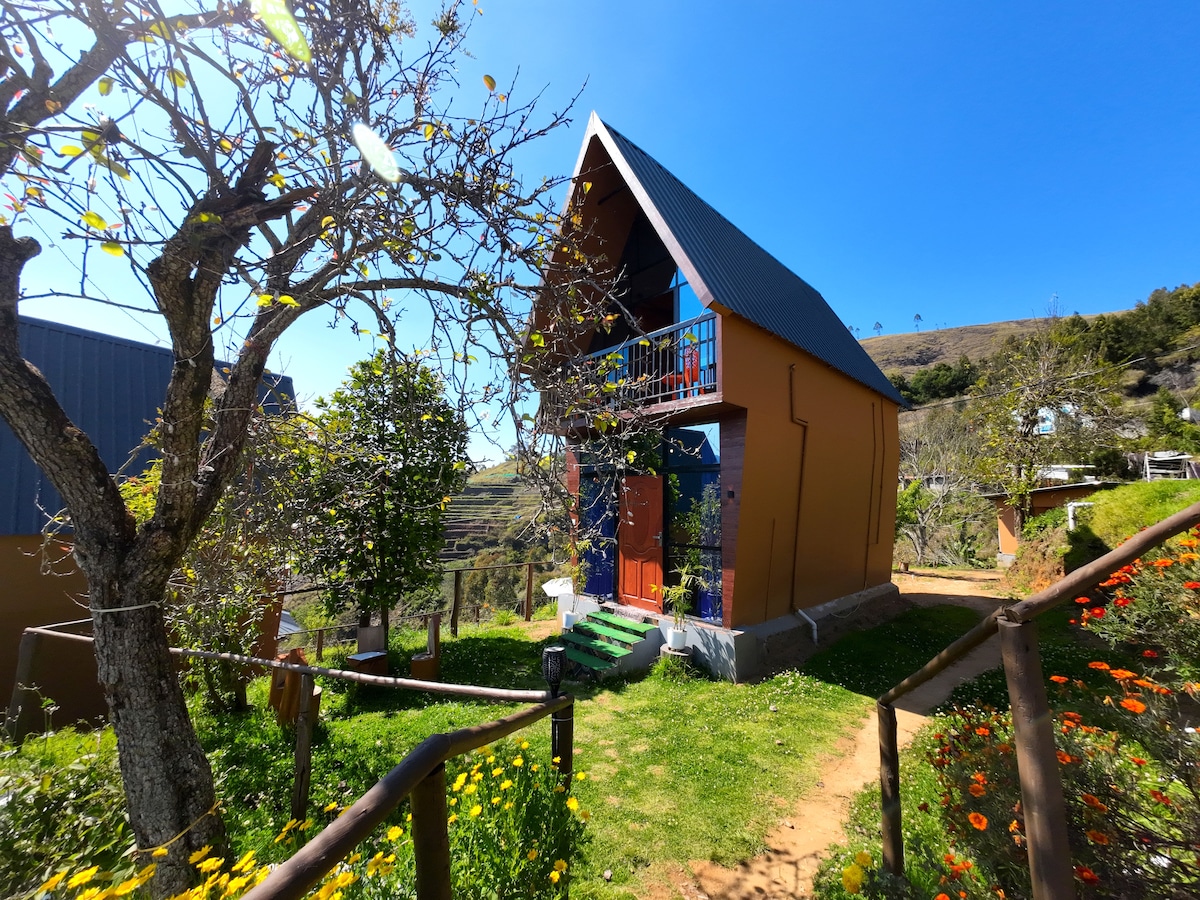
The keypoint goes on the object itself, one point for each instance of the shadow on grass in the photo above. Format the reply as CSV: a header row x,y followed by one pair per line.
x,y
872,661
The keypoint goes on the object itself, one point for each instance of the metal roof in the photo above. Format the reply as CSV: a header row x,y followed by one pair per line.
x,y
727,268
112,389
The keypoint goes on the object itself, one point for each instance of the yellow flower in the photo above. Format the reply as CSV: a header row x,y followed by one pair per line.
x,y
470,788
559,789
454,801
572,804
52,882
531,855
524,745
353,858
210,865
453,818
560,865
508,805
87,875
584,814
394,832
554,876
159,852
459,782
581,776
477,777
495,801
863,858
556,760
852,878
476,810
329,807
519,761
245,863
506,784
534,768
305,825
498,771
490,760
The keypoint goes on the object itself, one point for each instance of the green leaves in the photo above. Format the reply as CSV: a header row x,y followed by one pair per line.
x,y
278,20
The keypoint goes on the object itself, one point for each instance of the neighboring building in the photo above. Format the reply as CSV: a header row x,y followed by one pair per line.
x,y
1042,500
780,451
112,389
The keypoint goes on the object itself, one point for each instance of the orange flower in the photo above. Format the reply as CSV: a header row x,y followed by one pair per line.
x,y
1122,674
983,731
978,820
1097,837
1137,760
1121,601
1161,797
1086,875
1064,757
979,778
1163,563
941,897
1097,612
1150,654
1094,802
977,790
1083,601
1073,716
1103,666
1059,679
1192,585
1134,706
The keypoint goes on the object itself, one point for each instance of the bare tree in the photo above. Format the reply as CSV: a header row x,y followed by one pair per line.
x,y
208,151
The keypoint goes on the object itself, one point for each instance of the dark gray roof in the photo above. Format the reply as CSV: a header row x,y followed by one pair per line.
x,y
111,388
741,276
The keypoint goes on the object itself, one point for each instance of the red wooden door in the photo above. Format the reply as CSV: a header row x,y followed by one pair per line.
x,y
639,541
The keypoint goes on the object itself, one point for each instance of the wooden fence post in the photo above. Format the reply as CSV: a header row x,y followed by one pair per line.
x,y
457,602
889,786
562,739
23,707
304,726
528,591
431,840
1037,764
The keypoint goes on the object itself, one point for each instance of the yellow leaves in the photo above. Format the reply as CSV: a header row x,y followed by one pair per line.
x,y
177,78
277,180
267,300
225,144
69,150
288,300
95,220
537,339
105,86
112,248
489,82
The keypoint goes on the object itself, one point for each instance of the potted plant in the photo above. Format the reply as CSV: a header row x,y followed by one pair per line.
x,y
679,598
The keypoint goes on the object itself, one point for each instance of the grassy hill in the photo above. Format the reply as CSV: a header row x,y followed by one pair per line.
x,y
906,353
493,502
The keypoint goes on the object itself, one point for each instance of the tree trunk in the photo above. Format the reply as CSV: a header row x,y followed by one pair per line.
x,y
168,782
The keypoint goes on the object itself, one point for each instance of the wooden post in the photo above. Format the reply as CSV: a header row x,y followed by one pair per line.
x,y
889,786
431,840
320,643
23,707
304,725
562,739
1037,764
528,591
457,603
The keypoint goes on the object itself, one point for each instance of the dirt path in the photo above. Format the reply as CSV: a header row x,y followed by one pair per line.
x,y
797,846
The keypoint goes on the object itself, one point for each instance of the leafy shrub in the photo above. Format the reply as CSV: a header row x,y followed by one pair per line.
x,y
515,831
1047,521
61,805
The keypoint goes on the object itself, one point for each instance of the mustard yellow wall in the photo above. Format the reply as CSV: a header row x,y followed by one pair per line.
x,y
65,670
817,503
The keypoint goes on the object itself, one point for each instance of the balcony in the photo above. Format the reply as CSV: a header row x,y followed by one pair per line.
x,y
673,363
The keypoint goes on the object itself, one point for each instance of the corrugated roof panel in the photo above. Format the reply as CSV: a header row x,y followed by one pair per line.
x,y
743,277
112,389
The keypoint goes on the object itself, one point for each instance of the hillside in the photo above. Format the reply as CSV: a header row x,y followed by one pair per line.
x,y
493,500
906,353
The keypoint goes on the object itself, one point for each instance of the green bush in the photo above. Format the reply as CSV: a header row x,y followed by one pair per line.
x,y
1120,513
61,806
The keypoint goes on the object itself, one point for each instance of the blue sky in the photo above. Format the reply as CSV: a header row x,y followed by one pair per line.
x,y
963,162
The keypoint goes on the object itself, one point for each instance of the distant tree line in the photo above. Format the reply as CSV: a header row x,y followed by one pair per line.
x,y
938,382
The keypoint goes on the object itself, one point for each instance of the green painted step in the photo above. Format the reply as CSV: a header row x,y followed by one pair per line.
x,y
639,628
588,662
595,629
595,646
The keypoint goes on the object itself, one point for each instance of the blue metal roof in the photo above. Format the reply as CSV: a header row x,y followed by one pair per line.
x,y
112,389
736,273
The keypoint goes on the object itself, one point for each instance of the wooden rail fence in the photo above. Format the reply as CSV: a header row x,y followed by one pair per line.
x,y
1033,726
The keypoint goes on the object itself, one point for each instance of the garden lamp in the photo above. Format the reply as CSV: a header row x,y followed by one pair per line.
x,y
553,663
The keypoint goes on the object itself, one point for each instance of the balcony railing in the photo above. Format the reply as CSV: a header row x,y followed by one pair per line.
x,y
669,364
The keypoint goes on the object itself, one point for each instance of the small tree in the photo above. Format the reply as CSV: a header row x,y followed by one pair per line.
x,y
388,451
1041,400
